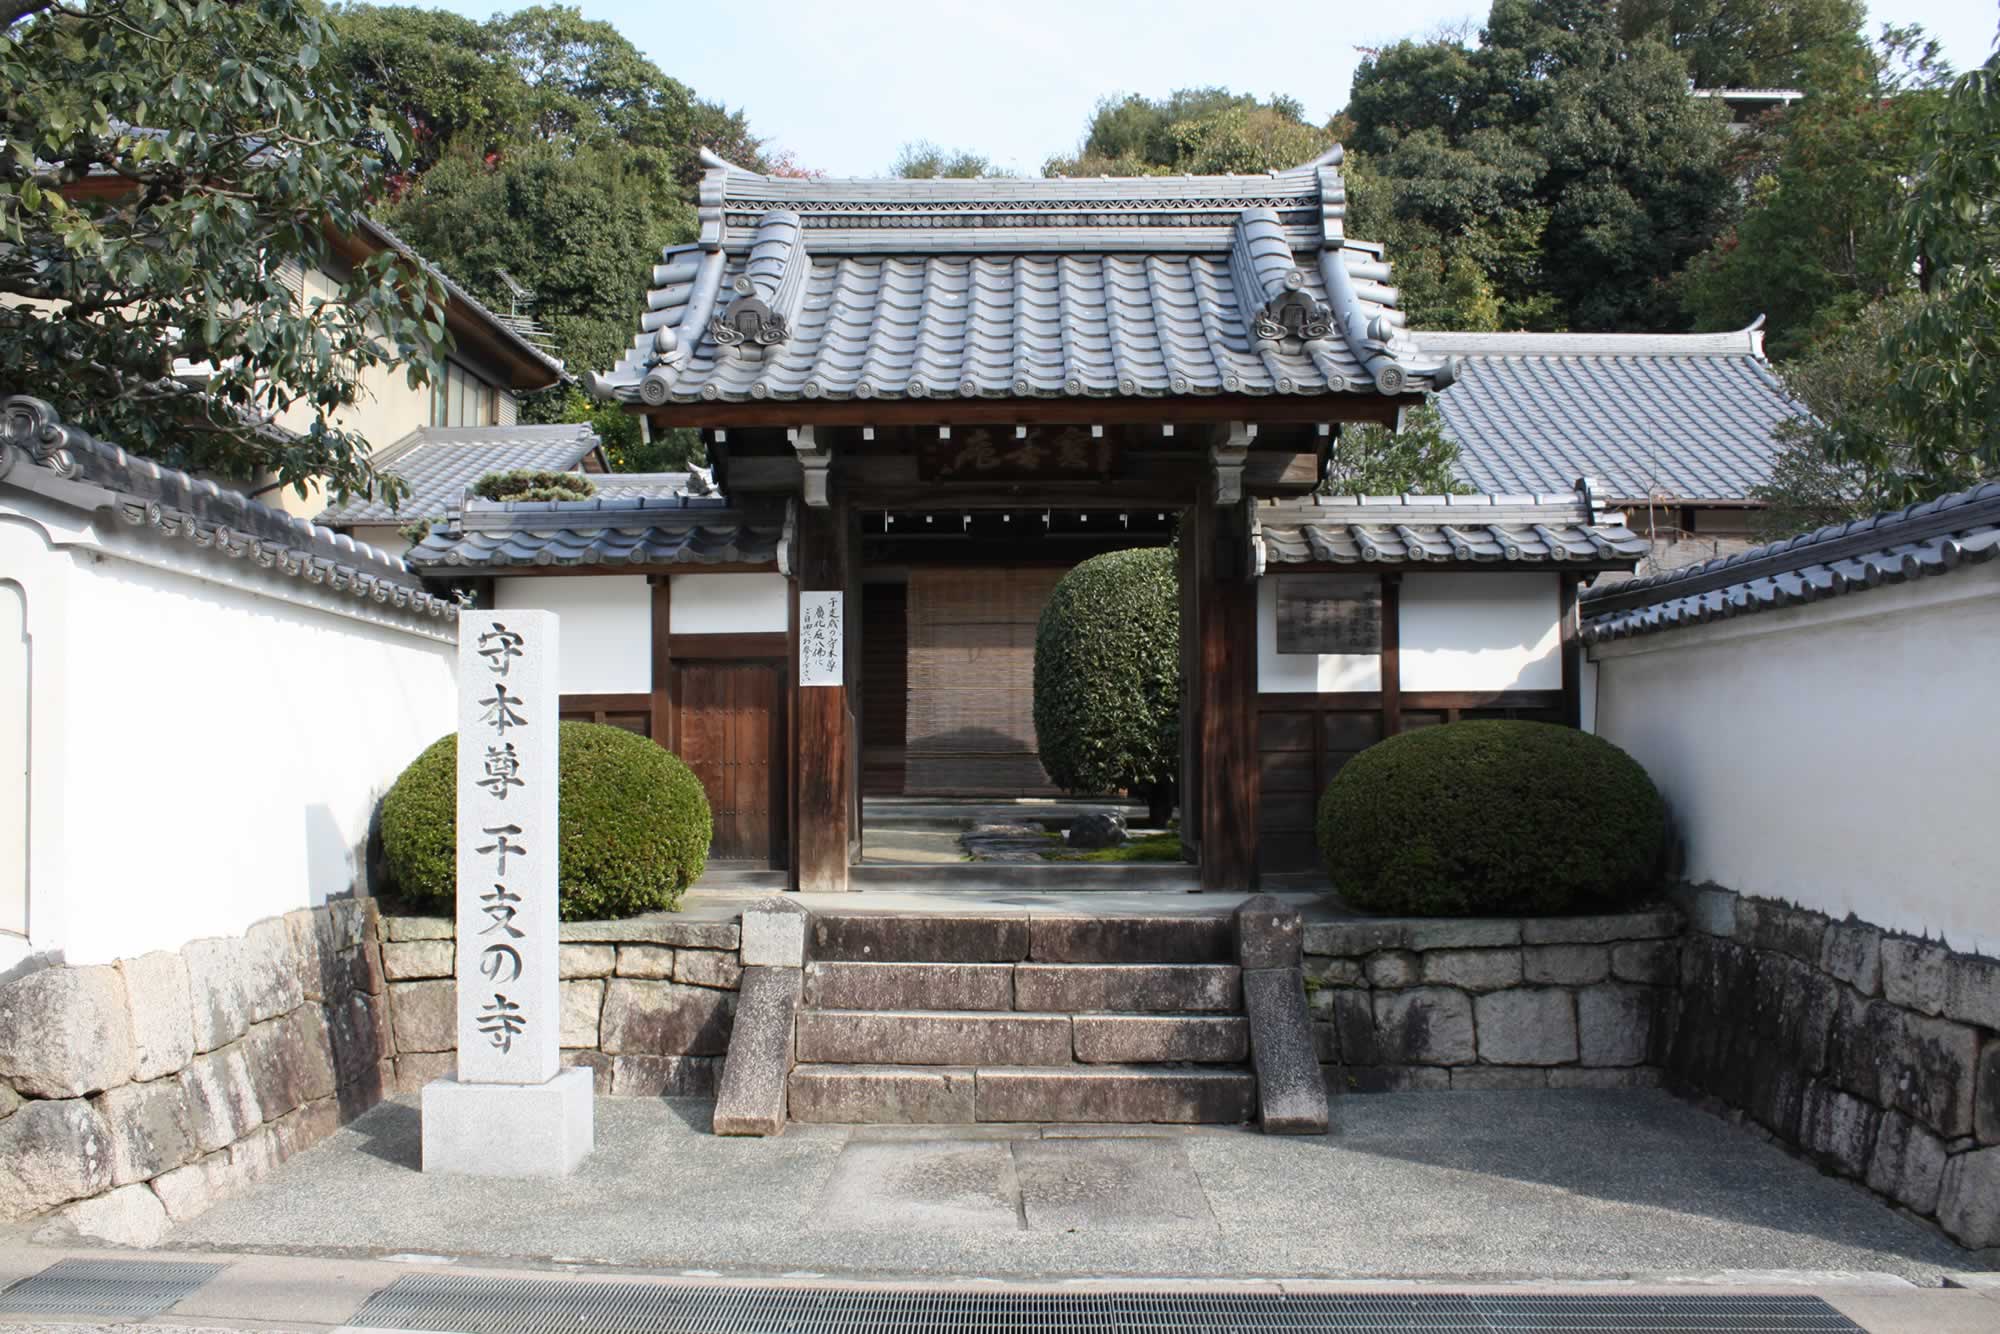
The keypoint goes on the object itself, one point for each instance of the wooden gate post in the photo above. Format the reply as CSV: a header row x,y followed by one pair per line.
x,y
1226,683
824,739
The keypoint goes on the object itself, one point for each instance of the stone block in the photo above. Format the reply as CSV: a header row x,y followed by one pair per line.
x,y
910,986
1489,1077
1526,1026
654,962
151,1131
587,960
186,1192
751,1100
361,969
127,1216
1915,973
1107,1094
316,1041
423,1016
252,1157
275,988
1393,968
1628,1077
1357,938
596,1062
1331,972
582,1004
1852,952
220,1098
1654,924
1139,988
665,1019
882,938
889,1037
220,988
276,1054
65,1032
1923,1066
416,1070
1708,909
708,968
415,960
162,1013
508,1130
1326,1041
1473,970
1460,933
312,941
1142,1039
1839,1128
1291,1095
657,928
1969,1200
1907,1164
665,1076
880,1095
1654,962
1269,934
1614,1024
354,920
1388,1079
1972,991
1765,925
307,1126
1354,1022
1422,1026
1986,1094
10,1101
1565,965
420,928
51,1151
774,933
1207,938
359,1028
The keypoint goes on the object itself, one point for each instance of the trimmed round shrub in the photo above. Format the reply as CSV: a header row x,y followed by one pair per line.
x,y
1492,818
1108,676
634,821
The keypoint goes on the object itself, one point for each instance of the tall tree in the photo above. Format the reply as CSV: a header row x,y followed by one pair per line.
x,y
164,165
1745,43
1202,131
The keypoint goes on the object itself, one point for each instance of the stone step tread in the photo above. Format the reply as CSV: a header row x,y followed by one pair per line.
x,y
1001,1016
1160,1069
863,1094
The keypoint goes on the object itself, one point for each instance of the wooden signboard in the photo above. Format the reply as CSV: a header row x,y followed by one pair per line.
x,y
1329,613
1068,453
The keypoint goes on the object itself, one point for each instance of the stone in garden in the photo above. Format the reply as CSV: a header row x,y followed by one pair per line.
x,y
51,1151
774,934
150,1130
1097,829
65,1032
1526,1026
1422,1026
162,1010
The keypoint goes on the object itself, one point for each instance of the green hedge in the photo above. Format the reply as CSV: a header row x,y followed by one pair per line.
x,y
1492,818
1108,674
635,825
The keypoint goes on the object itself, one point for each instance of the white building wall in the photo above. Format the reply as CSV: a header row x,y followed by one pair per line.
x,y
1477,631
729,604
1839,756
207,741
607,627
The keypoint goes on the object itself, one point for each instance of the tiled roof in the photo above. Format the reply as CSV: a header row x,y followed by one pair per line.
x,y
1935,537
439,462
38,453
1159,285
637,530
1674,417
1395,530
503,326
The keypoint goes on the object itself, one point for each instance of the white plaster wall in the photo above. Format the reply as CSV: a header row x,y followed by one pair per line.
x,y
1310,673
1839,756
208,741
1478,631
729,604
607,627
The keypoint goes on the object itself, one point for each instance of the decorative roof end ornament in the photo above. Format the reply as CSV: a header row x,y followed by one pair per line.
x,y
749,324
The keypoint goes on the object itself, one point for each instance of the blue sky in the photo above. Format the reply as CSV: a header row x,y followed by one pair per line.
x,y
844,83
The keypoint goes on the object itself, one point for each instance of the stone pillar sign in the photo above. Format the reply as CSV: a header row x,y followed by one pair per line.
x,y
513,1110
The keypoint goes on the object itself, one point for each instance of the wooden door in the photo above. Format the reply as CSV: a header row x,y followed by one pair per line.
x,y
730,727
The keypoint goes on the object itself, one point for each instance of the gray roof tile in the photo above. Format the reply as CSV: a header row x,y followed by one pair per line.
x,y
1395,530
1933,538
439,462
1671,417
647,529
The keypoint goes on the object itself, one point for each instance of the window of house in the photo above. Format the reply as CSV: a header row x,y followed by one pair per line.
x,y
460,398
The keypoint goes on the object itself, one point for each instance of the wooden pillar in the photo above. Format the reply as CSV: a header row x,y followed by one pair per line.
x,y
1392,655
1189,572
663,665
1226,650
1572,653
824,741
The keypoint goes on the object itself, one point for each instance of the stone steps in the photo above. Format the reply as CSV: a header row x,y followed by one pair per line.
x,y
862,1094
956,1037
860,937
1053,988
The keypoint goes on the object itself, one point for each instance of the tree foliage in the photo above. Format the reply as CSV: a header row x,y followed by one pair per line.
x,y
1744,43
922,160
165,165
1198,131
1417,460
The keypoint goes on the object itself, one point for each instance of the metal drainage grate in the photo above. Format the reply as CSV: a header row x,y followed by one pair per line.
x,y
478,1305
106,1287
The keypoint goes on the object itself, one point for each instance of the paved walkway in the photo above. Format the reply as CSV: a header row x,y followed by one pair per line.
x,y
1468,1186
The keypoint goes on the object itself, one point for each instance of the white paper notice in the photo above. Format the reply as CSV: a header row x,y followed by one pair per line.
x,y
821,647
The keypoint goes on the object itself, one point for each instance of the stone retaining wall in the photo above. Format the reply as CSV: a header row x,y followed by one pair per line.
x,y
1433,1003
1877,1055
647,1003
131,1094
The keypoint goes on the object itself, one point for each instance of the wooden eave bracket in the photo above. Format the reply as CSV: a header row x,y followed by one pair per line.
x,y
816,462
1228,459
